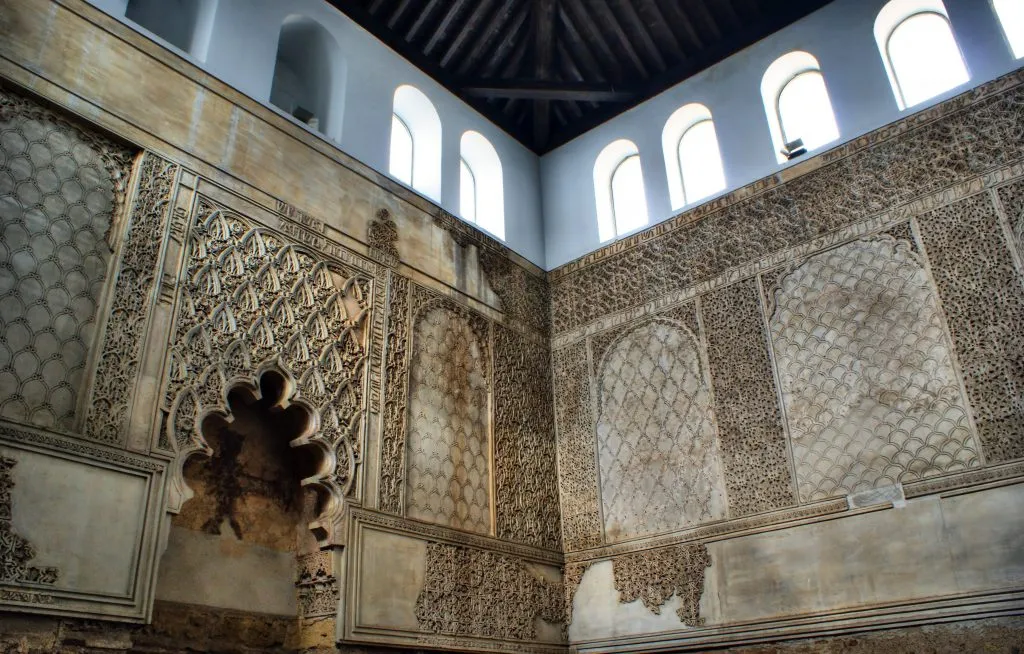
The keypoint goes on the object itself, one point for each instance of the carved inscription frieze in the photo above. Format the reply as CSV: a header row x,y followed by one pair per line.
x,y
526,478
60,189
396,394
16,553
448,451
656,435
655,576
866,369
133,292
251,300
471,592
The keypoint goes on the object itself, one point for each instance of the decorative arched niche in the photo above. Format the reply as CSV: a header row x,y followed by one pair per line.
x,y
252,303
309,75
658,453
185,24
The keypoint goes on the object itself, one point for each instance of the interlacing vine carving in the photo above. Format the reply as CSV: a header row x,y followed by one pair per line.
x,y
252,300
15,551
654,576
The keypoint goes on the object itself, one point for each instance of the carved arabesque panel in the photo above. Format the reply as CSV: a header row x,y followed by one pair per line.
x,y
983,299
870,391
449,472
656,436
317,586
252,300
60,188
654,576
525,472
15,552
577,468
396,395
750,431
471,592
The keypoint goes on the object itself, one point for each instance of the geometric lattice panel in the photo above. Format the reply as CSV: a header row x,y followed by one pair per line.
x,y
657,445
449,477
56,203
865,364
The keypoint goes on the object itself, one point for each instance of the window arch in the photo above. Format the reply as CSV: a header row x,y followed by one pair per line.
x,y
482,189
797,103
919,51
692,158
309,75
1011,17
415,157
619,189
185,24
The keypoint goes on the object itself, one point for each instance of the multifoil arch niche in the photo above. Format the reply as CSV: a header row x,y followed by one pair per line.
x,y
657,440
251,302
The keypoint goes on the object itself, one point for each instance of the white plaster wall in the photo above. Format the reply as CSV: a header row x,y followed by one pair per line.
x,y
242,51
840,35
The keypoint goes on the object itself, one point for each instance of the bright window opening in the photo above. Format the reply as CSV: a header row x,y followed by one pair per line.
x,y
1011,17
619,190
919,50
692,158
416,138
481,184
797,104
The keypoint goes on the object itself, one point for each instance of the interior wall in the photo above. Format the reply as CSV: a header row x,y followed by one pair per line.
x,y
840,36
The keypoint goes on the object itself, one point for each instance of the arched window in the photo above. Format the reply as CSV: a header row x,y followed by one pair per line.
x,y
481,185
416,142
309,75
619,189
185,24
797,104
1011,17
692,158
919,50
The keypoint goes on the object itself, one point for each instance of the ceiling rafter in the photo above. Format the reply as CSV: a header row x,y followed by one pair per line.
x,y
600,8
579,16
481,42
544,12
422,19
628,9
447,19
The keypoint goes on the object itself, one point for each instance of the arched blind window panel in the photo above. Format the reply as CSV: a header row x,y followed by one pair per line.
x,y
1011,17
401,151
919,50
467,192
309,75
700,162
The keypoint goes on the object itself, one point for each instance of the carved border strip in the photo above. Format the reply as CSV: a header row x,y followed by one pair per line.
x,y
396,397
75,445
455,537
985,91
960,480
131,302
715,531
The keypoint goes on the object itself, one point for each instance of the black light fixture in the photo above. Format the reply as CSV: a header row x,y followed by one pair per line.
x,y
793,149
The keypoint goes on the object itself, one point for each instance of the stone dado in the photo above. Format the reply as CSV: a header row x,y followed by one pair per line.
x,y
362,423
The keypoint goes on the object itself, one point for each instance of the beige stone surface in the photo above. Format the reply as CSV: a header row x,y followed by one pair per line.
x,y
391,570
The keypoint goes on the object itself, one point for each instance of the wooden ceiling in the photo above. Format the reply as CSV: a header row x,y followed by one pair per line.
x,y
548,70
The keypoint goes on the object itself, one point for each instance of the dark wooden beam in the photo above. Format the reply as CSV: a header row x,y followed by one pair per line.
x,y
576,49
549,90
652,16
583,21
544,12
515,36
422,19
604,13
702,25
396,17
627,8
375,7
441,31
570,71
481,42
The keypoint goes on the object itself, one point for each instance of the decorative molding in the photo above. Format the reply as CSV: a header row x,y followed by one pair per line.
x,y
382,237
935,485
654,576
134,288
73,444
15,551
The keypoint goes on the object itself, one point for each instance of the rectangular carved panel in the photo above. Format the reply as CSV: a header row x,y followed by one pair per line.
x,y
984,303
749,423
526,478
577,470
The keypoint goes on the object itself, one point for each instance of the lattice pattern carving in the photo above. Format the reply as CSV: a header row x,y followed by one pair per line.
x,y
871,395
525,474
471,592
449,474
15,551
984,303
654,576
396,395
252,300
59,191
659,462
750,432
1011,197
577,470
133,291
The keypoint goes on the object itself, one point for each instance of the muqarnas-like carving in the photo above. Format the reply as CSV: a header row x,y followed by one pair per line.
x,y
866,369
253,300
449,471
526,478
382,237
60,188
654,576
656,434
15,551
471,592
